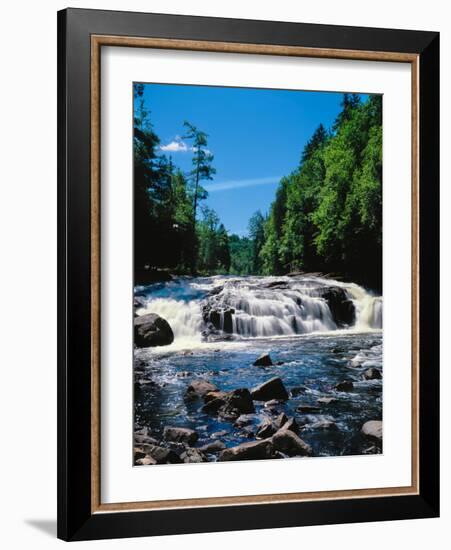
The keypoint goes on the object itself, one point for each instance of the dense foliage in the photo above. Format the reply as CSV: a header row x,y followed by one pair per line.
x,y
326,215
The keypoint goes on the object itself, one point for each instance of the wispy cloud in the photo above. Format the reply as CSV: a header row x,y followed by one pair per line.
x,y
177,145
238,184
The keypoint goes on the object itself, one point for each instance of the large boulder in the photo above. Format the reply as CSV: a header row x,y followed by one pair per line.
x,y
200,388
237,402
152,330
180,435
263,361
255,450
373,429
341,307
271,389
288,443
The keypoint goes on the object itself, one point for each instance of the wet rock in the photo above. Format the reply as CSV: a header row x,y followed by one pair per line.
x,y
193,455
237,402
271,389
372,374
162,455
180,435
211,395
244,420
291,425
281,420
138,453
326,400
146,460
307,409
213,447
289,443
266,429
263,361
373,429
298,390
341,307
152,330
254,450
199,388
346,385
213,405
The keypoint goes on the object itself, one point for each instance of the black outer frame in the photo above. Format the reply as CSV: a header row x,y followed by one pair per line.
x,y
75,520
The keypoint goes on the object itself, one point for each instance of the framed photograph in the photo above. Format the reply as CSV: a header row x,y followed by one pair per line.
x,y
248,274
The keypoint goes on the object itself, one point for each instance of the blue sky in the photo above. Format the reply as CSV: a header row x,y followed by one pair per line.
x,y
256,136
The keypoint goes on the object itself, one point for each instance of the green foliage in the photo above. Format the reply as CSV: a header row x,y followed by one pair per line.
x,y
327,214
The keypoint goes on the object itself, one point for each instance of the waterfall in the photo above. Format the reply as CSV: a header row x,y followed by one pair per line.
x,y
255,307
185,318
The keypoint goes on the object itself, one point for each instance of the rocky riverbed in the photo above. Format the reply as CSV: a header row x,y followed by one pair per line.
x,y
257,369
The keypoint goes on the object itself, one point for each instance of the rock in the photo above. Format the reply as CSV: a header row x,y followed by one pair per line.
x,y
308,409
217,394
273,405
180,435
372,374
244,420
213,406
213,447
346,385
291,425
373,429
152,330
341,307
263,361
266,429
326,400
199,388
298,390
193,455
161,455
271,389
138,453
289,443
323,425
254,450
281,420
147,460
237,402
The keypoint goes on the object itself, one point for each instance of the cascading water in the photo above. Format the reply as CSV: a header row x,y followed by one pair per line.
x,y
256,307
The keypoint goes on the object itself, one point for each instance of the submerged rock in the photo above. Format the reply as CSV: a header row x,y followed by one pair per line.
x,y
180,435
152,330
271,389
346,385
308,409
254,450
373,429
263,361
326,400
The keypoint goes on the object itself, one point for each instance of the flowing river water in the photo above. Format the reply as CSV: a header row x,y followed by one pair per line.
x,y
318,332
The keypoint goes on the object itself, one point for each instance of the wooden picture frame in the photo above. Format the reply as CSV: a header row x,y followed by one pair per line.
x,y
81,35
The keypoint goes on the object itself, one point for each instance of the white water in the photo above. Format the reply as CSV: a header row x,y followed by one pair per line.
x,y
258,311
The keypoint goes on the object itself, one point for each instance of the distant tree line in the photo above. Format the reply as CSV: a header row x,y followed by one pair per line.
x,y
326,215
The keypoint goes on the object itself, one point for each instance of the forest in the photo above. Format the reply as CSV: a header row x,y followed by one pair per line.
x,y
326,215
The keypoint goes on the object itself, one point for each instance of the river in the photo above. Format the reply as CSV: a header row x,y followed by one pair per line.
x,y
318,332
